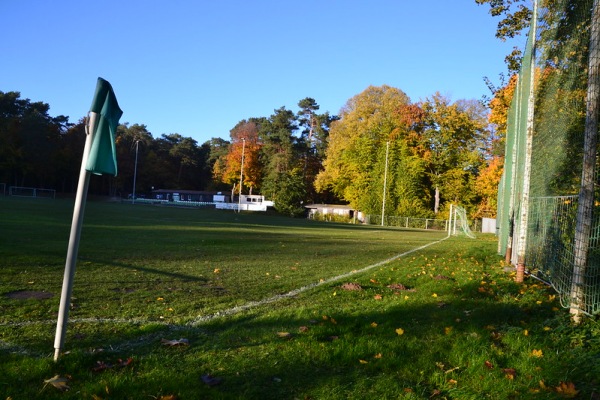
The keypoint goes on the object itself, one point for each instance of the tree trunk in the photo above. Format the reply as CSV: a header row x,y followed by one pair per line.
x,y
436,206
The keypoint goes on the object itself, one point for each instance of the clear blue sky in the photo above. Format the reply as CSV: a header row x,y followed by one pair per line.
x,y
197,67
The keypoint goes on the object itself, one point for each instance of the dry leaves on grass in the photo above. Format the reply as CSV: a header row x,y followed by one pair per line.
x,y
59,382
510,373
567,390
351,286
103,366
284,335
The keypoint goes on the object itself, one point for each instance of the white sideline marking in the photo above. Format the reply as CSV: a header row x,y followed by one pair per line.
x,y
231,311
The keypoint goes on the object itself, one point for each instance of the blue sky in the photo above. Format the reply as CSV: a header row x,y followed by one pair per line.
x,y
197,67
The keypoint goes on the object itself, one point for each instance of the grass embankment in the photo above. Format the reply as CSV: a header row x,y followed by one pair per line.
x,y
444,322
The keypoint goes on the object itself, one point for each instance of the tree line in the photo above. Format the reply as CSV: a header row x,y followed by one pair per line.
x,y
432,152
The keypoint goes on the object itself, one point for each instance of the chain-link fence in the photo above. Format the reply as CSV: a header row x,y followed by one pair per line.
x,y
547,198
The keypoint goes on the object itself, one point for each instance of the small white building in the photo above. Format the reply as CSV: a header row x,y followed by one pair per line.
x,y
334,210
246,202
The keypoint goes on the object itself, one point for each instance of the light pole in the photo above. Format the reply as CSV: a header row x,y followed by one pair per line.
x,y
137,144
241,174
387,152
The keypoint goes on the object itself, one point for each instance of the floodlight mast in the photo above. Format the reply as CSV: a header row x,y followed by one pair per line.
x,y
387,152
137,144
241,175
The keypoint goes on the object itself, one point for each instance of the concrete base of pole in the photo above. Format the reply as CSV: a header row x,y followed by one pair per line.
x,y
576,315
520,273
508,255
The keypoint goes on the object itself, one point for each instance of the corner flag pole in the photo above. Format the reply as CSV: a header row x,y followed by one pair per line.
x,y
80,199
99,157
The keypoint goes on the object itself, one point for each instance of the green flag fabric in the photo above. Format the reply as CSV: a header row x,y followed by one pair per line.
x,y
103,156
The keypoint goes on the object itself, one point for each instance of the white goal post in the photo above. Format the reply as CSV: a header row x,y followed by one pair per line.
x,y
459,223
22,191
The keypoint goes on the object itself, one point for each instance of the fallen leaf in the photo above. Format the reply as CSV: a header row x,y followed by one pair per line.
x,y
101,366
374,324
303,329
363,361
284,335
374,281
378,355
488,364
174,342
509,373
434,295
216,271
537,353
448,330
211,380
400,331
397,286
377,297
58,382
567,389
351,286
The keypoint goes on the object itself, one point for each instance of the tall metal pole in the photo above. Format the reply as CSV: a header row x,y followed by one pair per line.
x,y
585,204
524,220
137,143
387,152
241,174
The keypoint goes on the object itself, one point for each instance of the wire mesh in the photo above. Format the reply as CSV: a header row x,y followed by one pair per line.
x,y
560,52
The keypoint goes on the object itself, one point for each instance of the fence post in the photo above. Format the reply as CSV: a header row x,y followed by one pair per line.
x,y
522,246
585,204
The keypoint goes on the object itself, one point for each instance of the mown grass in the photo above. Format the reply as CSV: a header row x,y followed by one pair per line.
x,y
460,329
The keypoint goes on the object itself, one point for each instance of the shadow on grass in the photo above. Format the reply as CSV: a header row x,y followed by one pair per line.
x,y
465,343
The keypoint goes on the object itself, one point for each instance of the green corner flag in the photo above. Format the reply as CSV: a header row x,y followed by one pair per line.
x,y
103,156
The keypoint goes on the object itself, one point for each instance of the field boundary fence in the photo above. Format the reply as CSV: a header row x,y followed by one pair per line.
x,y
549,197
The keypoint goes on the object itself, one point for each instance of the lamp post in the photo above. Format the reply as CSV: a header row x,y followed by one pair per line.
x,y
137,144
387,152
241,174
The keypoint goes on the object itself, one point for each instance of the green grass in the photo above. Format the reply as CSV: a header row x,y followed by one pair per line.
x,y
150,273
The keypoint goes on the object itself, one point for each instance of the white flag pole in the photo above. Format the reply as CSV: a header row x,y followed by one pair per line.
x,y
80,199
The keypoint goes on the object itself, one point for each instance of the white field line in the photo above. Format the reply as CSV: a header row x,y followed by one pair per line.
x,y
219,314
253,304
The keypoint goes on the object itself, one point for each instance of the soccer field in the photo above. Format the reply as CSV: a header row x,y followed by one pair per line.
x,y
187,304
170,265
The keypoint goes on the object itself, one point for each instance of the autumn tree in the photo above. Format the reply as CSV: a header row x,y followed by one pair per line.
x,y
216,150
515,16
356,156
450,136
245,141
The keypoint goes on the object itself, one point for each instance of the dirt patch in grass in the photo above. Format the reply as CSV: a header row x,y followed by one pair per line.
x,y
29,294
